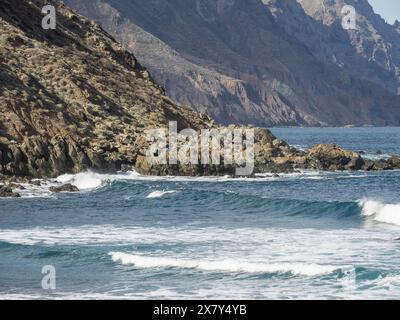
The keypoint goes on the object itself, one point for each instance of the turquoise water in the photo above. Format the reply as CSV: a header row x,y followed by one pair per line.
x,y
309,235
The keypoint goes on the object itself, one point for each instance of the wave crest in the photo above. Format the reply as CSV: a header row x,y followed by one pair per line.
x,y
226,265
382,212
90,180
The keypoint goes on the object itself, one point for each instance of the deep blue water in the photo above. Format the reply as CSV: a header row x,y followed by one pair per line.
x,y
306,235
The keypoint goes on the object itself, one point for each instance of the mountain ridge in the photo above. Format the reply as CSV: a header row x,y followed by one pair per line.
x,y
240,71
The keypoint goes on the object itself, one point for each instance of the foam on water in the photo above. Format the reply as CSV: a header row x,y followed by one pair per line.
x,y
226,265
159,194
382,212
110,234
91,180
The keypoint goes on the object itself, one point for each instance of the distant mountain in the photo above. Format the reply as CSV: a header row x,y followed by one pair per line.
x,y
371,52
244,62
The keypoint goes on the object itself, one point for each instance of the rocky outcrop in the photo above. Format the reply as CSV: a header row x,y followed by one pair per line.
x,y
326,157
64,188
332,158
7,192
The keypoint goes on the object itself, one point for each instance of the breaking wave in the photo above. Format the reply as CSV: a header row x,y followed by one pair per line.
x,y
226,265
91,180
382,212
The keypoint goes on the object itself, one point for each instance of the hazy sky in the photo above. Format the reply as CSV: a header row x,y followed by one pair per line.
x,y
388,9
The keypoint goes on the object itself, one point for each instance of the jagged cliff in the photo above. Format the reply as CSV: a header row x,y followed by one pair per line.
x,y
237,62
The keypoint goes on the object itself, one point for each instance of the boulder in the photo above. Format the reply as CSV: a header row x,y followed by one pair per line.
x,y
394,161
356,163
368,165
382,165
332,157
7,192
64,188
16,186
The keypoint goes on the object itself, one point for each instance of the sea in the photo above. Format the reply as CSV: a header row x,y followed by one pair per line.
x,y
305,235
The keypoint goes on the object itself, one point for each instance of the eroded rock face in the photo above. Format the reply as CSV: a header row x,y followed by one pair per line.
x,y
371,52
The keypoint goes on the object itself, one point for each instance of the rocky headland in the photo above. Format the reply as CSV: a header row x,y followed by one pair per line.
x,y
73,99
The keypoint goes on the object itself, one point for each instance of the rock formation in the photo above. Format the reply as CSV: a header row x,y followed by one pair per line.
x,y
7,192
64,188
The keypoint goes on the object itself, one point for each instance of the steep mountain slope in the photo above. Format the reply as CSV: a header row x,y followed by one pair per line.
x,y
73,98
372,51
225,97
237,63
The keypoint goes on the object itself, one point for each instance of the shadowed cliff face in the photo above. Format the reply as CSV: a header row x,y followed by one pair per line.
x,y
232,60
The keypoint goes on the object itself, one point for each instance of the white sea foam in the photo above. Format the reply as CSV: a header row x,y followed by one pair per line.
x,y
374,156
273,238
225,265
252,250
32,191
382,212
91,180
159,194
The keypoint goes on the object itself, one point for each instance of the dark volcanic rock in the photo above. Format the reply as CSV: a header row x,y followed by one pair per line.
x,y
355,163
6,192
382,164
64,188
394,161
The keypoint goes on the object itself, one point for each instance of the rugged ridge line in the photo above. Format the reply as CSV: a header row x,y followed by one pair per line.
x,y
236,62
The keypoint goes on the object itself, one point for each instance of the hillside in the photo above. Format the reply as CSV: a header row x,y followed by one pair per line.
x,y
237,62
73,98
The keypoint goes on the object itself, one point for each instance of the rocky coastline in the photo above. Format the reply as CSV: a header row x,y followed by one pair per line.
x,y
73,100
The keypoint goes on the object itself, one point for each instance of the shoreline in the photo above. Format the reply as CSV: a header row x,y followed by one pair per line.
x,y
88,181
